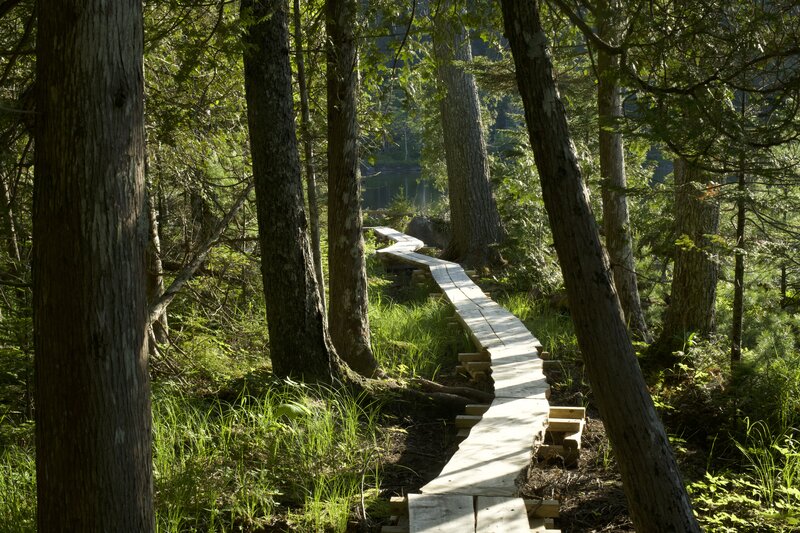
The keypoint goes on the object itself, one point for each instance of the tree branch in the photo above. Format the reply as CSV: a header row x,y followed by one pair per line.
x,y
158,307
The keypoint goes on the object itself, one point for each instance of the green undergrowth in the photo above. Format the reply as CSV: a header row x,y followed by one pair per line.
x,y
552,327
413,332
296,453
305,457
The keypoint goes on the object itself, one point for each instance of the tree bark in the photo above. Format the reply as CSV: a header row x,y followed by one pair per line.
x,y
299,341
473,212
347,311
656,496
308,152
93,425
616,221
694,278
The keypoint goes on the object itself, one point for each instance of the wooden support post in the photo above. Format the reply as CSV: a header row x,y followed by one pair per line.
x,y
542,508
473,357
476,409
564,425
467,421
398,505
557,411
476,367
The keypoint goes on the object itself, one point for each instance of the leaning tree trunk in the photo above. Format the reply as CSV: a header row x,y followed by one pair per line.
x,y
616,221
308,152
155,273
473,213
299,341
657,498
347,310
694,279
93,425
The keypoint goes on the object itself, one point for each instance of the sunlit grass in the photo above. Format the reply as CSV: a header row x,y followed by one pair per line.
x,y
415,338
219,465
552,328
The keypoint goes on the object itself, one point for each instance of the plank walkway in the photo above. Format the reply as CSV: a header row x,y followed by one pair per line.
x,y
477,489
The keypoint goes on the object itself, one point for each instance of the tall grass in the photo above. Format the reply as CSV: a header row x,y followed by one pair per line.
x,y
17,489
218,466
552,328
414,338
238,466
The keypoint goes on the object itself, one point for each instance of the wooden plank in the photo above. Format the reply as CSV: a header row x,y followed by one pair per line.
x,y
467,421
398,505
500,515
476,409
473,356
558,411
498,449
477,366
440,513
542,508
569,425
572,441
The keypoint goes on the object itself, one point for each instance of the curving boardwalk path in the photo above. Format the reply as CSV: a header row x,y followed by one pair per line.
x,y
477,489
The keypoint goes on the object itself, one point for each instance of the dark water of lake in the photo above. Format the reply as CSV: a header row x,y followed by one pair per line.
x,y
379,189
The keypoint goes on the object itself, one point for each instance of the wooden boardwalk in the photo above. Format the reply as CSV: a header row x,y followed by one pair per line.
x,y
477,490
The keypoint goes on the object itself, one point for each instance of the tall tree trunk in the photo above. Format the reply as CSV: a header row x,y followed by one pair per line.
x,y
656,496
616,221
308,152
347,311
473,212
93,425
299,341
738,276
694,278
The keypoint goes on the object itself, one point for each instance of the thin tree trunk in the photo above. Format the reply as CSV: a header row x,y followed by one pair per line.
x,y
657,498
305,136
7,213
738,276
299,341
783,286
616,221
93,425
155,272
475,220
347,311
158,307
694,278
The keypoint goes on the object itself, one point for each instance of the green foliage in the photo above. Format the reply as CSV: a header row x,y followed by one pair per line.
x,y
550,326
413,338
17,487
290,445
